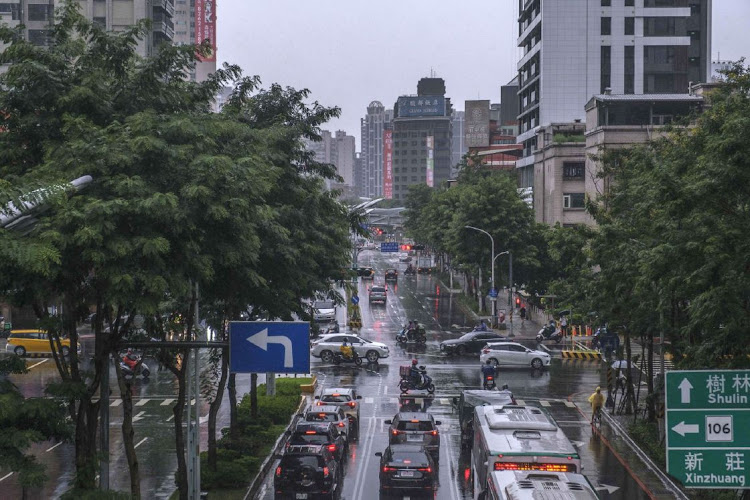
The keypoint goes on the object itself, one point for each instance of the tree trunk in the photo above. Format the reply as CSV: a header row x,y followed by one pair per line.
x,y
85,444
254,395
213,410
629,376
232,387
650,403
128,434
179,432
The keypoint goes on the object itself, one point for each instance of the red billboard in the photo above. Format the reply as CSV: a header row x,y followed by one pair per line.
x,y
205,26
388,164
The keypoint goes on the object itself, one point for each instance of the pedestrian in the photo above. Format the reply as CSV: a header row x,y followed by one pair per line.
x,y
522,312
564,326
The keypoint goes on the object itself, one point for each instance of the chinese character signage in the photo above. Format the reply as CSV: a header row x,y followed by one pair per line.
x,y
416,106
477,126
430,143
388,164
707,422
205,26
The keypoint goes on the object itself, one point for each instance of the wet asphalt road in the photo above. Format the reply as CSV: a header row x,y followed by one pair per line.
x,y
417,297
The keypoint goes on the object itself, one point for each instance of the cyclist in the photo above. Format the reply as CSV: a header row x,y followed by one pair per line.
x,y
597,402
346,348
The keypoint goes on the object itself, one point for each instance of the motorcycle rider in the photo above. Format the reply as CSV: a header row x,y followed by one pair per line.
x,y
488,370
415,374
130,360
482,327
346,349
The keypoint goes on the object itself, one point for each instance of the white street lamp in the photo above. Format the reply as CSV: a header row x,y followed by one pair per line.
x,y
492,256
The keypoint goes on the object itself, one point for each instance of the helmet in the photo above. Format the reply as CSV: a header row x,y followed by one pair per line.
x,y
346,339
598,389
414,362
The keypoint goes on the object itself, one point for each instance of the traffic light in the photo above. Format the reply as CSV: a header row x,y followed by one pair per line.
x,y
518,302
417,247
406,248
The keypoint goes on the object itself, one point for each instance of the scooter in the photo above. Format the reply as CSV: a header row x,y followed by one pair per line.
x,y
548,332
489,383
410,271
407,384
405,336
339,358
141,369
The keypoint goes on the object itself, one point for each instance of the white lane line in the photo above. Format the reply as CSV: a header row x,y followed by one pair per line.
x,y
53,447
142,402
6,476
37,364
140,442
139,416
520,402
171,417
570,404
116,402
385,390
544,403
167,402
454,484
369,400
445,401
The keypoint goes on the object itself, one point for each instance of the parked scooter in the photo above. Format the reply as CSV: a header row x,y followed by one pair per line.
x,y
339,358
407,384
549,332
407,335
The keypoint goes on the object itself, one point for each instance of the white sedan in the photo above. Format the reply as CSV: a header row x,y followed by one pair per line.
x,y
326,345
513,354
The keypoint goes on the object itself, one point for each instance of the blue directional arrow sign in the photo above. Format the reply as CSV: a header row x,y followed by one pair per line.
x,y
269,347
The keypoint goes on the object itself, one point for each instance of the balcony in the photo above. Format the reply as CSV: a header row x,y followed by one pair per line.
x,y
164,5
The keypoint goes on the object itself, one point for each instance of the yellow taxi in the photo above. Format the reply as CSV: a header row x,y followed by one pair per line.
x,y
22,342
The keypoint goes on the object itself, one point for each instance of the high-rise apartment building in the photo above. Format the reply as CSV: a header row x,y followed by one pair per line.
x,y
172,21
458,143
574,49
372,127
422,135
338,150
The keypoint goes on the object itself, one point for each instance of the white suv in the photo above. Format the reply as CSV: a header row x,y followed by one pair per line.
x,y
513,354
326,345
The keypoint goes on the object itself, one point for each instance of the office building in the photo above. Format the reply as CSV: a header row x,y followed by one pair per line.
x,y
458,144
338,150
422,135
372,130
575,49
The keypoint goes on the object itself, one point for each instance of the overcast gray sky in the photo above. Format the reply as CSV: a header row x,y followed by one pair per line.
x,y
351,52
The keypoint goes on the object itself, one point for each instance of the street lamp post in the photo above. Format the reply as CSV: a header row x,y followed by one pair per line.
x,y
492,256
510,287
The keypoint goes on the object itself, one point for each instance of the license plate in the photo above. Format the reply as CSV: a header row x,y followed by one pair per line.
x,y
414,437
301,496
407,473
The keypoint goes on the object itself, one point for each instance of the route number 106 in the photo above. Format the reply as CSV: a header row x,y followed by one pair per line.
x,y
719,428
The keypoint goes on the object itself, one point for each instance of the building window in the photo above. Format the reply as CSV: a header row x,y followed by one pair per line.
x,y
414,178
10,10
101,22
630,26
574,170
629,87
39,12
606,26
606,68
606,3
665,3
39,37
629,3
574,200
664,26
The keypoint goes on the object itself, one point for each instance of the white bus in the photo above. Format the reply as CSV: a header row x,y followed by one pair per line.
x,y
518,438
532,485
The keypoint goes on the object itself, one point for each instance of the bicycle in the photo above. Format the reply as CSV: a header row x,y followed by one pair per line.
x,y
596,420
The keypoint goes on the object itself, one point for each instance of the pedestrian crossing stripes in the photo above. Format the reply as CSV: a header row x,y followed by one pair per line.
x,y
637,349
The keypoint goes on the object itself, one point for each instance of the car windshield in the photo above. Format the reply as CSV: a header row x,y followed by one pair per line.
x,y
335,398
303,438
420,425
296,462
321,417
378,289
324,304
408,458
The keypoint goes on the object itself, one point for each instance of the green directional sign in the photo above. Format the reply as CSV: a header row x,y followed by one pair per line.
x,y
708,428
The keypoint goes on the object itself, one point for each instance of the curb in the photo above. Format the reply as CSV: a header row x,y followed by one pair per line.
x,y
268,462
588,355
309,388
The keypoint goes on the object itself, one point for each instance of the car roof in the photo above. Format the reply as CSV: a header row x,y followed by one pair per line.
x,y
336,390
415,415
304,425
504,343
323,409
391,269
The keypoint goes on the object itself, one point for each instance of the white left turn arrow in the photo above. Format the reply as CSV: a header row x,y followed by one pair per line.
x,y
262,339
682,428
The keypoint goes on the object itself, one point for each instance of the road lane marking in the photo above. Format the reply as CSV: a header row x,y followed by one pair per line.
x,y
544,403
142,402
140,442
520,402
37,364
369,400
445,401
167,402
116,402
6,476
170,418
570,404
139,416
53,447
454,484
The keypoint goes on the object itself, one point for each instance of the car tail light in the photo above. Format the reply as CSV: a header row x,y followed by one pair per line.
x,y
389,469
326,472
490,378
310,432
341,424
278,471
331,447
425,469
352,404
395,432
434,433
485,351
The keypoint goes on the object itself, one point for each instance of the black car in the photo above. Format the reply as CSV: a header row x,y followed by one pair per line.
x,y
391,275
308,472
407,469
470,342
320,433
367,273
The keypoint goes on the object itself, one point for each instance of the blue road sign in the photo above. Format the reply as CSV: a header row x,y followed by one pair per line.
x,y
389,246
493,293
355,299
269,347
